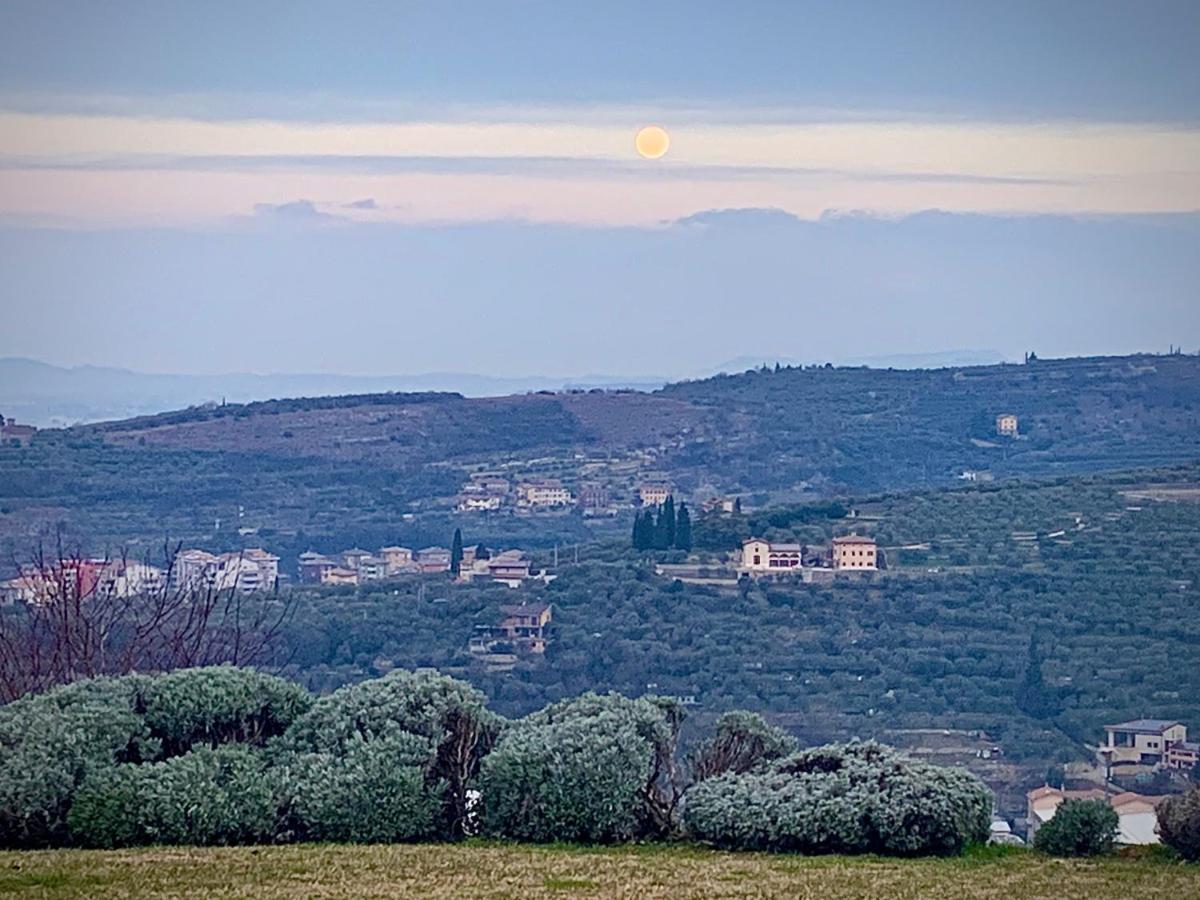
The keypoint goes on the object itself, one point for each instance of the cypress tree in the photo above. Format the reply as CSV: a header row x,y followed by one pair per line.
x,y
643,531
456,552
667,516
683,529
660,537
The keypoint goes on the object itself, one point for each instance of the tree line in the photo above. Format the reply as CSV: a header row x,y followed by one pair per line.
x,y
671,529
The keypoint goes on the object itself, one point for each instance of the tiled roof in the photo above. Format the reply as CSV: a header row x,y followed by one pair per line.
x,y
853,539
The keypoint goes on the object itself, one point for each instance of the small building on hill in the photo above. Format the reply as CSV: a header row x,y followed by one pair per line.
x,y
521,631
760,555
12,433
854,552
546,494
654,493
1006,425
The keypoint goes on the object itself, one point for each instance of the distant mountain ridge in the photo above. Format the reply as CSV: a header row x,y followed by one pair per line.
x,y
46,395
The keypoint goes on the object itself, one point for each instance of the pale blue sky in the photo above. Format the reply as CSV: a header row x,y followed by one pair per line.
x,y
184,186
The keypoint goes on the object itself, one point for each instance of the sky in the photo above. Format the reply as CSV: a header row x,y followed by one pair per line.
x,y
374,188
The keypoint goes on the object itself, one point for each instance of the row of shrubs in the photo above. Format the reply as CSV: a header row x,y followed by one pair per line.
x,y
232,756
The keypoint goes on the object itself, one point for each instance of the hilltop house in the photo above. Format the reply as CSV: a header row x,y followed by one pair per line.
x,y
854,552
397,559
12,433
759,555
479,503
654,493
543,494
314,567
1006,425
523,629
433,559
1143,742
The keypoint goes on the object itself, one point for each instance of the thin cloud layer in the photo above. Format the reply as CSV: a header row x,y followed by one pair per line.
x,y
579,167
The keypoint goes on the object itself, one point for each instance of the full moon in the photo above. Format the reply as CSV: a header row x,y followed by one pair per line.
x,y
652,142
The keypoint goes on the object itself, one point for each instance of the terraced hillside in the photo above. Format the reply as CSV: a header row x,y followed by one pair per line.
x,y
344,470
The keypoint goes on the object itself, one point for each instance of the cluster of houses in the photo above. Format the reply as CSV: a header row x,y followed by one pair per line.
x,y
248,571
1133,747
79,579
357,566
522,630
492,492
847,553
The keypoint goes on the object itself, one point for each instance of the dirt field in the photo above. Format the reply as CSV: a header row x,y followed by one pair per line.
x,y
517,872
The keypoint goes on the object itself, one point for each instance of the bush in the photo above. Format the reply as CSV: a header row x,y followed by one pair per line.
x,y
218,705
1079,828
449,714
221,796
596,769
743,742
850,798
1179,823
50,742
374,793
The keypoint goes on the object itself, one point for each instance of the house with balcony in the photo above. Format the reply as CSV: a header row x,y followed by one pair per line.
x,y
521,631
1141,742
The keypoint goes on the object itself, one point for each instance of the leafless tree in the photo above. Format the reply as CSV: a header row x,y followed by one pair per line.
x,y
78,617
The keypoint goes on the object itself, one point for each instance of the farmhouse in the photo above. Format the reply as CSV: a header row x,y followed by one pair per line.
x,y
12,433
1006,425
854,552
759,555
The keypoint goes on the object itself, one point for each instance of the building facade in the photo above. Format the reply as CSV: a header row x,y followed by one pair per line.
x,y
654,494
759,555
1143,742
1006,425
853,552
544,494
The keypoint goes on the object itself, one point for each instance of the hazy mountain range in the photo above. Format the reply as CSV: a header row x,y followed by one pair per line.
x,y
46,395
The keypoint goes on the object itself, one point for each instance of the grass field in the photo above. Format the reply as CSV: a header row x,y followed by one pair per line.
x,y
525,871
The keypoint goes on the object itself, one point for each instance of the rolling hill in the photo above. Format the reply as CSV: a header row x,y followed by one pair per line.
x,y
333,468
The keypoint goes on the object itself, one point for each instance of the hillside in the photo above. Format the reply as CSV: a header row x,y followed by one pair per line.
x,y
323,469
1089,566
